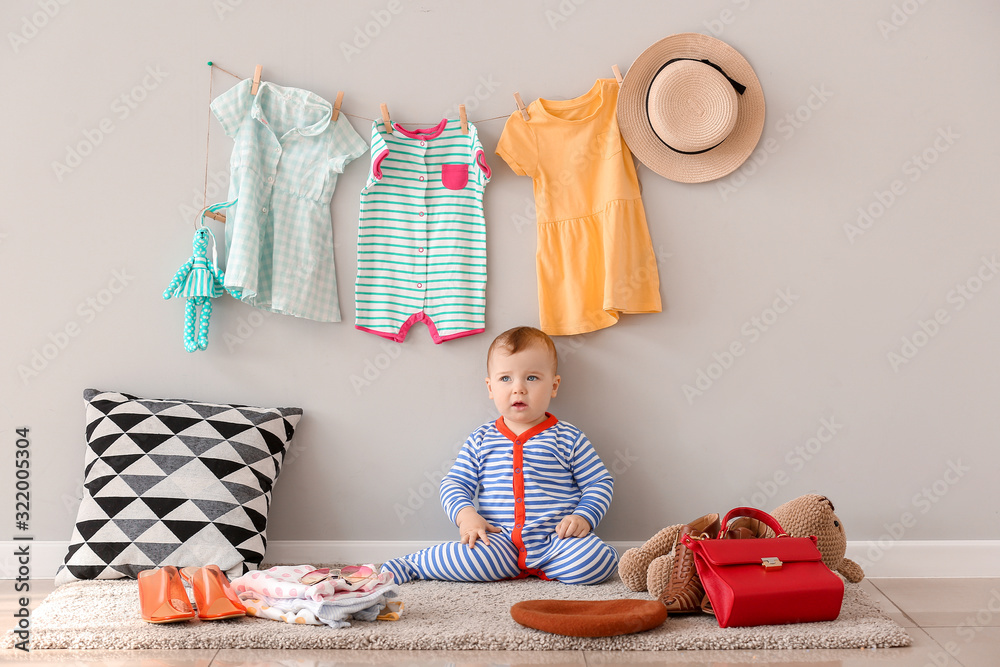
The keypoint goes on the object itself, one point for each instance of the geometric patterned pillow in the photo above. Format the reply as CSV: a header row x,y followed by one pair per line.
x,y
175,482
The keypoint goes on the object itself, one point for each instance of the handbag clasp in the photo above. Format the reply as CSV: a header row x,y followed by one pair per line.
x,y
771,563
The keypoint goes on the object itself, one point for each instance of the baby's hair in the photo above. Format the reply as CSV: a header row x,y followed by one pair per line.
x,y
516,339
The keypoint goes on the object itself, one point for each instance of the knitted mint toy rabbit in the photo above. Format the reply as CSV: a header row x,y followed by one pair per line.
x,y
200,282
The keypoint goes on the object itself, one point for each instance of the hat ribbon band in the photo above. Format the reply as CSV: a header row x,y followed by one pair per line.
x,y
737,86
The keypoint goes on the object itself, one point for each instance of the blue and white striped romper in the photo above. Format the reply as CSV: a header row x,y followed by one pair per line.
x,y
526,485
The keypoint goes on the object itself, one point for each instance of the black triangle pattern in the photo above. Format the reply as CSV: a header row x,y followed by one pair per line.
x,y
108,551
249,555
221,467
259,520
112,505
171,434
184,529
100,444
228,429
126,421
88,529
236,534
263,480
178,424
85,571
104,406
119,463
73,548
95,485
161,507
148,442
274,443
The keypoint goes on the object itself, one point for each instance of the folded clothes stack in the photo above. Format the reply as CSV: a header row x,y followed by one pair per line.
x,y
302,594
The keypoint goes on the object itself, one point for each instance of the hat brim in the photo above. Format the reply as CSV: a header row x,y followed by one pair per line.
x,y
633,119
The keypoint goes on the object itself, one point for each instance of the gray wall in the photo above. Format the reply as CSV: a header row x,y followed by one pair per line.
x,y
866,101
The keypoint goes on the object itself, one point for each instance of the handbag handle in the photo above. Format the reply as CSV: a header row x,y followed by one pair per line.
x,y
752,513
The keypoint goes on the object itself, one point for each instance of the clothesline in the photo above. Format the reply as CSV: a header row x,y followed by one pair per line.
x,y
208,137
483,120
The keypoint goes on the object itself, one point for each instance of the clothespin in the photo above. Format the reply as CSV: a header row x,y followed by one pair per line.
x,y
618,74
256,79
386,123
463,118
520,105
336,105
213,211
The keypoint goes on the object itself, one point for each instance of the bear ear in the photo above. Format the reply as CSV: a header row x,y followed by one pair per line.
x,y
828,502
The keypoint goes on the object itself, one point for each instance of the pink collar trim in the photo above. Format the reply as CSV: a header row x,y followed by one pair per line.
x,y
426,133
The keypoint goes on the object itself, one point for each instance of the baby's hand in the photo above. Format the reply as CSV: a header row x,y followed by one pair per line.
x,y
573,526
472,527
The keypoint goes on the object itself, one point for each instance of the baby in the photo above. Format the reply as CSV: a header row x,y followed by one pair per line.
x,y
542,488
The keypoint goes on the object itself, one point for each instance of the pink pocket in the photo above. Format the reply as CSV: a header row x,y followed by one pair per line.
x,y
455,176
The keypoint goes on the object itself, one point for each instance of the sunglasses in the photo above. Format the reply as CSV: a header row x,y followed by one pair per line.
x,y
352,574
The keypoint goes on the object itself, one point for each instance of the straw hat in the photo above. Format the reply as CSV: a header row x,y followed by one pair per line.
x,y
691,108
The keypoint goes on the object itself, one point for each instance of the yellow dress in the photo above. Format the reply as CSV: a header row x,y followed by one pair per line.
x,y
595,259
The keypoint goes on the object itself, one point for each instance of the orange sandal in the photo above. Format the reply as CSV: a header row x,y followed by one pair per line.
x,y
162,598
215,598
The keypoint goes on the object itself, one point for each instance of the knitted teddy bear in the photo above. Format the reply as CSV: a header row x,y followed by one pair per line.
x,y
647,568
812,514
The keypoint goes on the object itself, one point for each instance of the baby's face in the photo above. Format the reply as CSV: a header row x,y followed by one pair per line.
x,y
522,385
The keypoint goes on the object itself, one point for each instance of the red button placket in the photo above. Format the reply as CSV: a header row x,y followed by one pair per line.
x,y
520,511
519,514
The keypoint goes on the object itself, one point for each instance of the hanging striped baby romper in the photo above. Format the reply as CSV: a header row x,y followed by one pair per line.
x,y
526,485
422,234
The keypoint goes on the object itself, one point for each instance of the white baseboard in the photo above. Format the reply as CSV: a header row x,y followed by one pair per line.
x,y
904,558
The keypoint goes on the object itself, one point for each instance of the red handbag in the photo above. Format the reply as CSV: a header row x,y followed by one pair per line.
x,y
769,581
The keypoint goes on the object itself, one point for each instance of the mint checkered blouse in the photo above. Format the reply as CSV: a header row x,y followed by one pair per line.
x,y
279,234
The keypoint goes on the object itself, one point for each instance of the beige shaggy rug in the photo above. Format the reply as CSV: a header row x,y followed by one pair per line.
x,y
437,616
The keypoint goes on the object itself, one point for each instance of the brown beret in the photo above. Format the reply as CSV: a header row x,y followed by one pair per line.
x,y
590,618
